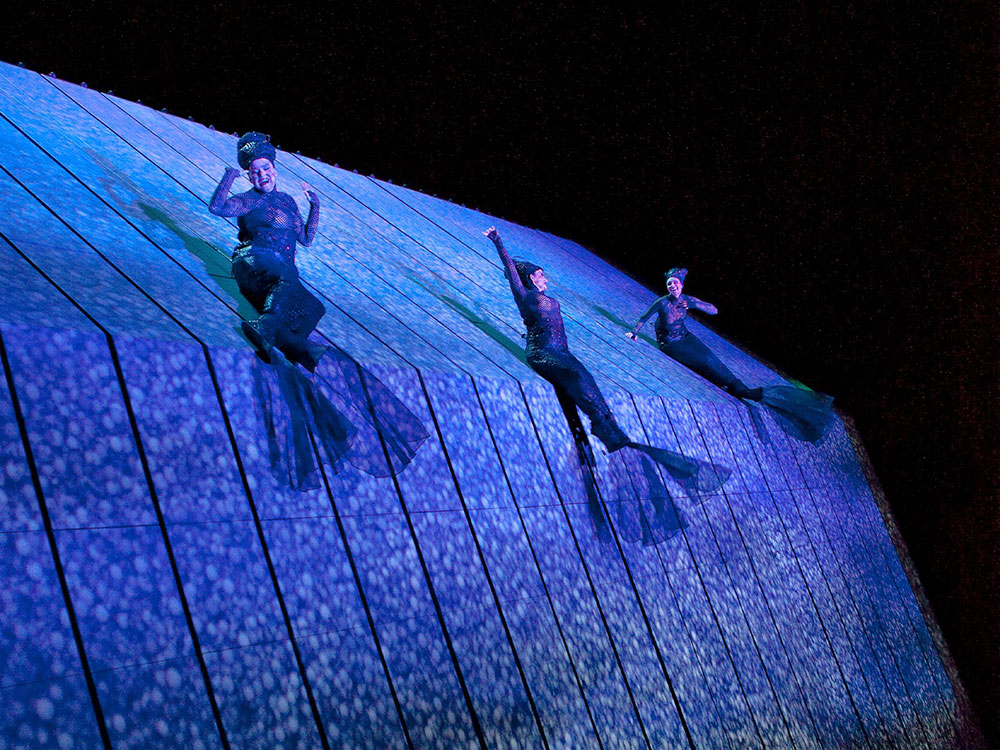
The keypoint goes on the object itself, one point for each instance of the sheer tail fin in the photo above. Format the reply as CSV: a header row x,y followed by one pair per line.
x,y
342,415
379,417
693,474
292,412
801,414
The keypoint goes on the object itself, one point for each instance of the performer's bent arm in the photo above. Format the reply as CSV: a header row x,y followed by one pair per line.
x,y
220,206
307,233
643,318
706,307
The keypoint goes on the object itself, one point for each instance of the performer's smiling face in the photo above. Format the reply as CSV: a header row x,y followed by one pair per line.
x,y
674,286
539,280
263,175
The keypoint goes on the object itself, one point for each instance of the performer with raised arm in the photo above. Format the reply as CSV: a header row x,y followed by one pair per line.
x,y
341,414
270,225
548,354
803,414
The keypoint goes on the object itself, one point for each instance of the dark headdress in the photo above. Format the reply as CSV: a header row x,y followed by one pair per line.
x,y
254,145
524,269
676,273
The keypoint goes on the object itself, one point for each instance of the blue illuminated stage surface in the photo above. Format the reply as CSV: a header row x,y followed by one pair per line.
x,y
162,589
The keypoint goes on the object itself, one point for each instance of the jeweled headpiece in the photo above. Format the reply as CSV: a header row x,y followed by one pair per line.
x,y
676,273
254,145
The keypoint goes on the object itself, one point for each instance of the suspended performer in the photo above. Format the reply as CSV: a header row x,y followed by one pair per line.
x,y
341,414
803,414
270,226
548,354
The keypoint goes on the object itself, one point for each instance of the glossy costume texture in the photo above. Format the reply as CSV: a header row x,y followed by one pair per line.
x,y
804,415
548,354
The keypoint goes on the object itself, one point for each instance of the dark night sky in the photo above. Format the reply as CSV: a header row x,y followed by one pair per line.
x,y
827,171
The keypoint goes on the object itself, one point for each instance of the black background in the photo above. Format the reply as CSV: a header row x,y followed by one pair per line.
x,y
827,170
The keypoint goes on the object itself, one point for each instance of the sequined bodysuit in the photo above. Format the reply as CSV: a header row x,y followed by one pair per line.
x,y
548,353
676,341
270,225
671,315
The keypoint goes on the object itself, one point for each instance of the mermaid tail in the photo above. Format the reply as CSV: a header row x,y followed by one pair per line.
x,y
606,429
293,413
801,414
626,487
342,415
388,433
693,474
646,511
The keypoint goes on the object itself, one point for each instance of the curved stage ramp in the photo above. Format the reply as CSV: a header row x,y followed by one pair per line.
x,y
162,590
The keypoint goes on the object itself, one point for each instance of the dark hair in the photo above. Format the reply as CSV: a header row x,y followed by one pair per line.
x,y
524,269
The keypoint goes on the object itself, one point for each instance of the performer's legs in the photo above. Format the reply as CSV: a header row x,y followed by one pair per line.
x,y
289,312
303,310
569,375
297,312
564,370
692,353
568,406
